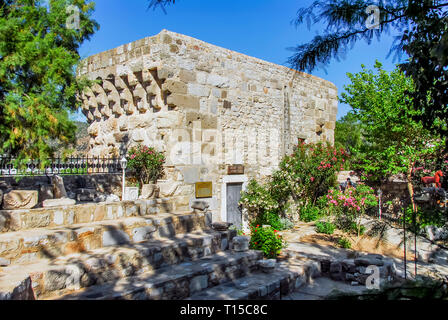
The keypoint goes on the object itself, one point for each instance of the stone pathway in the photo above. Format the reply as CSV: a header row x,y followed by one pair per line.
x,y
323,286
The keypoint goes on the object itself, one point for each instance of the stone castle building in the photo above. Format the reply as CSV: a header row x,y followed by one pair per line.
x,y
208,108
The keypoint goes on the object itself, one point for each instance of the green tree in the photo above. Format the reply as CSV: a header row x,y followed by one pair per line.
x,y
394,140
421,26
39,43
348,136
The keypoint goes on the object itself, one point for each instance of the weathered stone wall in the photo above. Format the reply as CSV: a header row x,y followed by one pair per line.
x,y
204,106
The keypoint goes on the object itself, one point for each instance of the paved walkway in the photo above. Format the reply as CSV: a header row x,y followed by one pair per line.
x,y
322,287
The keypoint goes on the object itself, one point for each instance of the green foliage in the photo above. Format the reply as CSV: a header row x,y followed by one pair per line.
x,y
258,198
302,176
38,84
310,213
348,136
424,217
421,34
349,205
310,171
145,163
239,231
347,225
344,243
267,240
394,141
325,227
265,204
285,224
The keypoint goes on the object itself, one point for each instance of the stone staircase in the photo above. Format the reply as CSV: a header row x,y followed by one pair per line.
x,y
132,250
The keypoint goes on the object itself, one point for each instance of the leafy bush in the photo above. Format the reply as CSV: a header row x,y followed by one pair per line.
x,y
325,227
267,240
286,224
145,163
309,213
344,243
303,177
259,200
310,171
424,217
348,206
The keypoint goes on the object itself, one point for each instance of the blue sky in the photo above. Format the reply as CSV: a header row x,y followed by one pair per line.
x,y
259,28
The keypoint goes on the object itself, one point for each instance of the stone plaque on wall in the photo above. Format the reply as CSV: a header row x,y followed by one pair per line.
x,y
204,190
235,169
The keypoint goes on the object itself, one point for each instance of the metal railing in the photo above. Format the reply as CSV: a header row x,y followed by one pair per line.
x,y
69,166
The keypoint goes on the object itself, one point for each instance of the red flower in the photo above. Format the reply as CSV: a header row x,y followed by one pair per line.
x,y
312,179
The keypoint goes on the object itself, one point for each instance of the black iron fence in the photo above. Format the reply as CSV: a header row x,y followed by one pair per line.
x,y
69,166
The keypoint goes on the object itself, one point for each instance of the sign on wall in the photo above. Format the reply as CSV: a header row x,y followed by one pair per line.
x,y
235,169
204,190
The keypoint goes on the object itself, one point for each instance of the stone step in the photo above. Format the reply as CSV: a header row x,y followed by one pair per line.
x,y
283,280
16,220
175,282
113,263
32,245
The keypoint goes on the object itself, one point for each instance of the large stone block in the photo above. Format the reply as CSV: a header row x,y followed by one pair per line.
x,y
174,86
198,90
240,243
187,76
183,101
143,233
20,199
58,202
114,238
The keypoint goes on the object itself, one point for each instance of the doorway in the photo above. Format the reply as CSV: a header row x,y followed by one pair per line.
x,y
234,214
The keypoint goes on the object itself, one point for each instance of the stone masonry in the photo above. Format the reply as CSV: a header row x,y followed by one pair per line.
x,y
206,107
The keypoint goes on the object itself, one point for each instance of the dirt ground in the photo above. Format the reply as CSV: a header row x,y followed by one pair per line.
x,y
363,244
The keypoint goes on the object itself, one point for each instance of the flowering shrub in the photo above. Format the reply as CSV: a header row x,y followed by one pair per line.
x,y
350,205
267,240
146,163
257,198
264,209
304,176
311,170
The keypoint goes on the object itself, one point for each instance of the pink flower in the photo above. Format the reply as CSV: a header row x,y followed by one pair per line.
x,y
312,179
133,156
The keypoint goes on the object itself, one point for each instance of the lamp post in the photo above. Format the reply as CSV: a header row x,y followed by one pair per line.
x,y
124,164
379,201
